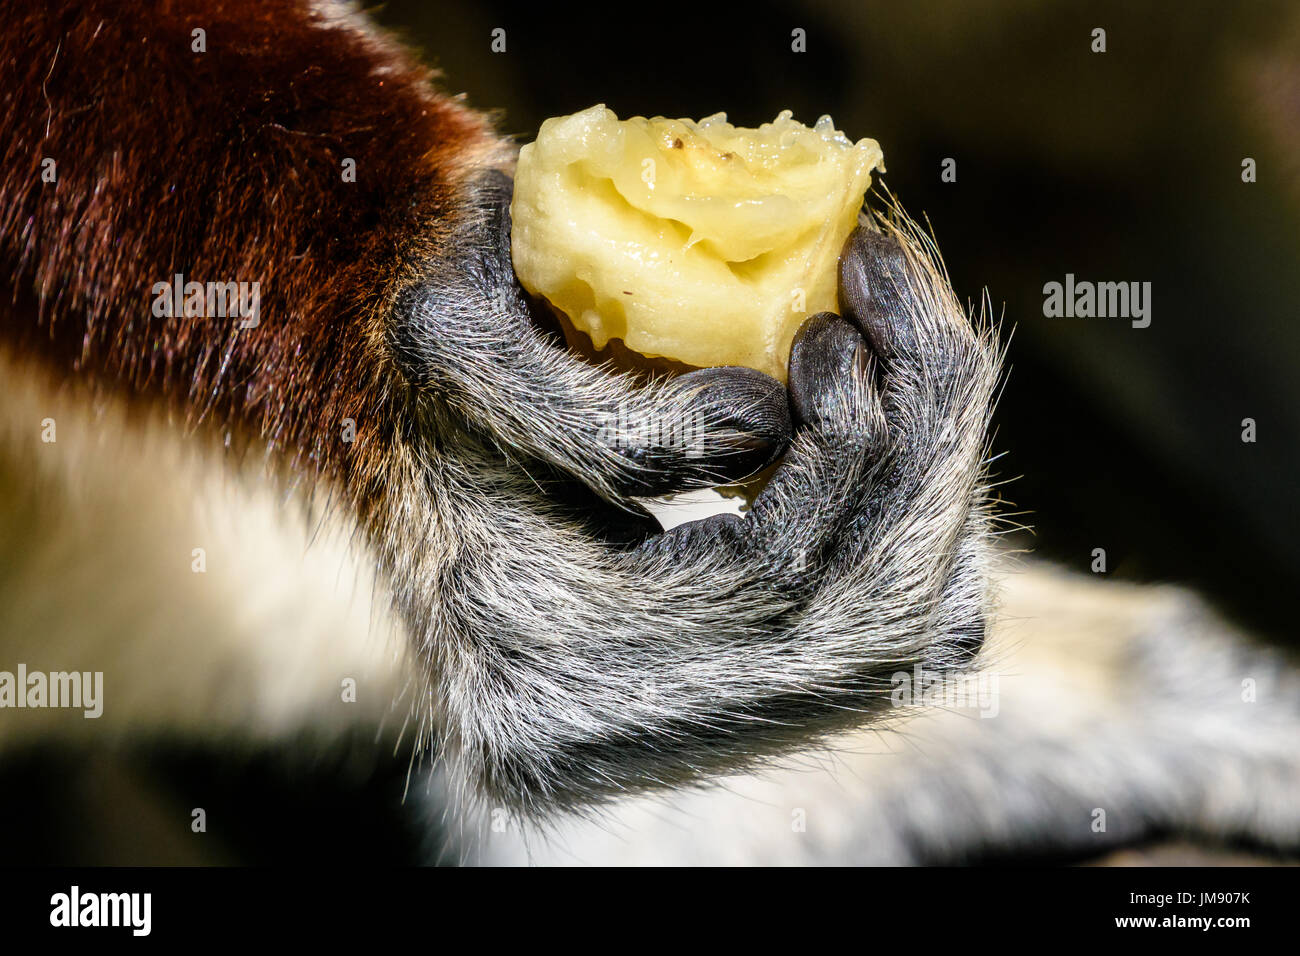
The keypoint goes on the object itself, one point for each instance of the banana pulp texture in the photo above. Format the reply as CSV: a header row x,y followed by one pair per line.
x,y
701,243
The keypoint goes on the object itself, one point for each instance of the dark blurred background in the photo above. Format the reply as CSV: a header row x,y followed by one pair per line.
x,y
1115,166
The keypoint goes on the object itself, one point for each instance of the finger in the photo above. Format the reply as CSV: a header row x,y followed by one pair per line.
x,y
737,423
840,427
840,430
465,335
874,292
827,355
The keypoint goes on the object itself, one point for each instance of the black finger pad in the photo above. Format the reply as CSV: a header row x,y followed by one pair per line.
x,y
873,277
826,354
746,400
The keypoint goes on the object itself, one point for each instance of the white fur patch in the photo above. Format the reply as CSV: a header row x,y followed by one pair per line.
x,y
98,538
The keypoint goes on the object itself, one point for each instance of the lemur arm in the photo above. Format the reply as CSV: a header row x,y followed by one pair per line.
x,y
562,667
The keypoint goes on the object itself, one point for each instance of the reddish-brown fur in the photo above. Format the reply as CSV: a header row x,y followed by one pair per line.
x,y
224,165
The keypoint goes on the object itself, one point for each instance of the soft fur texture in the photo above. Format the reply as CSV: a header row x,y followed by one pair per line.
x,y
1117,719
558,651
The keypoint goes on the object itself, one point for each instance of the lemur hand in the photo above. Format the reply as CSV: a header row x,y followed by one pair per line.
x,y
566,668
469,338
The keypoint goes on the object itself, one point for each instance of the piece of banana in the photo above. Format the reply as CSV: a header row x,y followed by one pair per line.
x,y
701,243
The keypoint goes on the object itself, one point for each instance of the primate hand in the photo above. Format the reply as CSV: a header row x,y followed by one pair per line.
x,y
568,665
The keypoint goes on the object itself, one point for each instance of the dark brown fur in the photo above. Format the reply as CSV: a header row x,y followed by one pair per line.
x,y
171,161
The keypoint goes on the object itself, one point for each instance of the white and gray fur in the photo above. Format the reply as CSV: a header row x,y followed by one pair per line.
x,y
561,672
